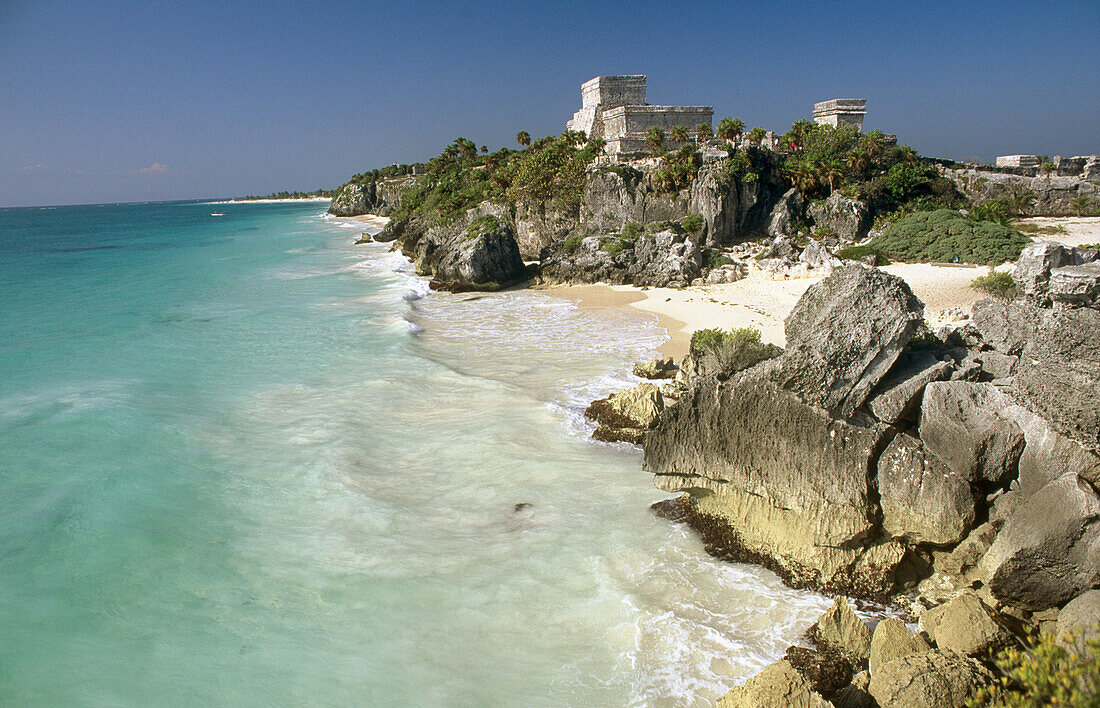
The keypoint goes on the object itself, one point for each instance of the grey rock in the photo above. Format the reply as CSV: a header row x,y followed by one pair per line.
x,y
627,415
1081,616
849,219
815,255
997,365
922,500
729,273
933,679
782,248
1076,285
1085,255
893,640
1033,269
777,686
1049,455
1046,553
964,558
350,200
482,256
392,231
1058,376
1053,196
841,630
966,626
788,214
844,335
1006,326
964,425
897,397
660,368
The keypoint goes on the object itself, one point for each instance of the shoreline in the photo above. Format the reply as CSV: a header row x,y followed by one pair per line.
x,y
271,201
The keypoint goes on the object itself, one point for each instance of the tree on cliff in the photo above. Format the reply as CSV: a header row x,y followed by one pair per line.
x,y
730,128
679,134
757,135
655,139
703,132
523,138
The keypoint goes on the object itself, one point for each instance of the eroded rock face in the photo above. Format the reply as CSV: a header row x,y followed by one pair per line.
x,y
815,255
849,219
1081,616
964,425
1076,285
788,214
965,626
844,335
1058,376
482,256
839,628
898,396
1048,550
777,686
932,679
351,200
892,640
661,368
1006,326
790,481
922,500
1037,260
628,415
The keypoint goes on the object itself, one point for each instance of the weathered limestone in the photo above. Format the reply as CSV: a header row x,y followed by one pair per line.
x,y
627,415
1076,285
614,108
1006,326
349,200
1081,616
788,214
922,500
932,679
841,630
964,425
892,640
1044,195
1033,269
1048,551
964,625
1017,161
848,218
898,396
481,256
844,335
777,686
660,368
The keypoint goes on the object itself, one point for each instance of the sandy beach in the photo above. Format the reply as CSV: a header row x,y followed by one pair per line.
x,y
367,220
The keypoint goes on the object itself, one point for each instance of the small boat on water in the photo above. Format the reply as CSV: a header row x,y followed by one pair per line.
x,y
217,213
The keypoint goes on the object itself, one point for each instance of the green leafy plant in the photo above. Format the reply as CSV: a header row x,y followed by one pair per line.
x,y
632,230
572,243
994,210
713,258
730,351
995,284
946,236
858,253
692,223
1051,671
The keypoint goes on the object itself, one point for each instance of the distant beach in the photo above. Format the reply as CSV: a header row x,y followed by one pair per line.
x,y
271,201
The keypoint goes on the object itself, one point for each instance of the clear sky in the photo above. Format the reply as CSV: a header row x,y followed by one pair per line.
x,y
110,101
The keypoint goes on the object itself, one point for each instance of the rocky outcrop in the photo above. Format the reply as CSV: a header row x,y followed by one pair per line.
x,y
964,425
788,215
777,686
844,335
848,219
660,368
965,625
481,256
628,415
892,640
932,679
922,500
841,630
1081,616
897,397
1076,285
1032,272
663,259
1029,196
381,197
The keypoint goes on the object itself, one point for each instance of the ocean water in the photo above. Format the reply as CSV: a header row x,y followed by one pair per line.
x,y
244,462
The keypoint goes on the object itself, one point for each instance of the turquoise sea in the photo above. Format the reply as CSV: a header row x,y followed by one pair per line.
x,y
244,462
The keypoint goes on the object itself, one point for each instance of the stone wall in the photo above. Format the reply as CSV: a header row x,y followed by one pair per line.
x,y
841,111
625,127
611,91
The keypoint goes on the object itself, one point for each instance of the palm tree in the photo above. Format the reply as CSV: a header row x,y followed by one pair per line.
x,y
523,138
655,139
730,128
703,132
679,134
1081,205
757,135
466,148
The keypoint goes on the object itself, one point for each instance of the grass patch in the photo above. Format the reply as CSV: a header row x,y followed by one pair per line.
x,y
730,351
572,243
1040,229
713,258
998,285
946,236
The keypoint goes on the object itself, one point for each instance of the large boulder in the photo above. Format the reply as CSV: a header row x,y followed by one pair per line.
x,y
1049,455
666,259
1081,616
480,256
965,426
840,630
932,679
779,685
964,625
815,255
1048,550
1033,269
788,215
898,396
893,640
849,219
922,500
790,483
539,226
1006,326
628,415
660,368
1058,376
1076,285
844,335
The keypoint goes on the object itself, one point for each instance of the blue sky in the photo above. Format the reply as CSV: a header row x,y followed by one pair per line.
x,y
108,101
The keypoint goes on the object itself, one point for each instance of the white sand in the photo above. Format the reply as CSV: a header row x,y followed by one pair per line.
x,y
271,201
369,220
1079,230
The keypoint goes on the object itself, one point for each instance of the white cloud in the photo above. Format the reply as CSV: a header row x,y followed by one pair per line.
x,y
157,168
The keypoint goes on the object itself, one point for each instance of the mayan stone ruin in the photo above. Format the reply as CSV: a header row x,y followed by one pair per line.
x,y
614,108
841,111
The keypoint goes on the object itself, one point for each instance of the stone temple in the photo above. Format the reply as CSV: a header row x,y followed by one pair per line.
x,y
841,111
614,108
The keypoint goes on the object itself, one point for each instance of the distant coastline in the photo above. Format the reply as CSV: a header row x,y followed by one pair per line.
x,y
266,200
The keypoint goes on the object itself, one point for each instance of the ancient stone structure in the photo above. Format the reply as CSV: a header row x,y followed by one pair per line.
x,y
1017,161
841,111
614,108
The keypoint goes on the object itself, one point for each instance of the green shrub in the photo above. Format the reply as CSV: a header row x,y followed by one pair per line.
x,y
994,210
995,284
713,258
632,230
1050,672
730,351
858,253
1039,229
692,222
947,236
572,243
480,226
614,245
